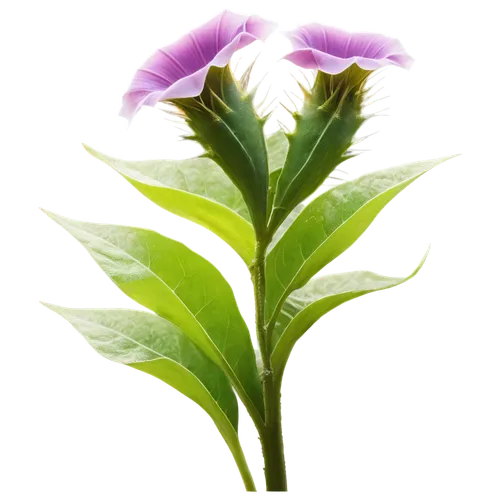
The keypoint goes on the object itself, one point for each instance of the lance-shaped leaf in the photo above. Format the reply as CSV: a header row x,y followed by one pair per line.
x,y
271,192
277,148
182,287
308,304
196,189
154,345
329,225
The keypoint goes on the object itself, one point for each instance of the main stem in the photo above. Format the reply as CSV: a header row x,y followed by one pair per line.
x,y
271,435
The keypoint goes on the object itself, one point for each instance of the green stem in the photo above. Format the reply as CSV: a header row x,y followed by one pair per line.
x,y
271,435
272,441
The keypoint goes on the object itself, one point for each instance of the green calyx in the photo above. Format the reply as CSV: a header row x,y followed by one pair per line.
x,y
330,92
224,122
325,129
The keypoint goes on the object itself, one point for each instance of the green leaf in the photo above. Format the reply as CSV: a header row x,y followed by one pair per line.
x,y
271,192
196,189
329,225
143,340
224,122
277,148
154,345
285,225
308,304
199,190
181,286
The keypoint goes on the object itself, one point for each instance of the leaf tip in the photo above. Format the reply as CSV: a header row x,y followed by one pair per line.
x,y
426,254
42,209
42,302
90,150
50,214
427,250
449,157
47,212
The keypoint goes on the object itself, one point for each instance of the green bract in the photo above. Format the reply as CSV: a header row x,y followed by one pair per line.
x,y
225,123
250,190
325,131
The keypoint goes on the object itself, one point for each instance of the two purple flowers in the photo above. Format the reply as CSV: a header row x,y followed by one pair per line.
x,y
180,69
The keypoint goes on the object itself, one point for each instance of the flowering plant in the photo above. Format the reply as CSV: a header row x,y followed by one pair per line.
x,y
249,189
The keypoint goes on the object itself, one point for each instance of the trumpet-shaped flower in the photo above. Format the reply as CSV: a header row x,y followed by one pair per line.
x,y
180,70
333,107
332,50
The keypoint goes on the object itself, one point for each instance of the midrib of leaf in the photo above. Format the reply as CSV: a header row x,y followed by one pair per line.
x,y
184,191
334,116
158,355
156,182
120,334
162,282
152,273
226,366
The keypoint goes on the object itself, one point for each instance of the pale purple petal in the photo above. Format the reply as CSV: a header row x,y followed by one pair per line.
x,y
179,70
332,50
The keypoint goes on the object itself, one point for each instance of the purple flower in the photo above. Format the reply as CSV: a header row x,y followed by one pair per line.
x,y
179,70
332,50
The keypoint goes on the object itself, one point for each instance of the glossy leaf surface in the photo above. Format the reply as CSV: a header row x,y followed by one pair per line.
x,y
178,284
196,189
329,225
199,190
323,294
153,345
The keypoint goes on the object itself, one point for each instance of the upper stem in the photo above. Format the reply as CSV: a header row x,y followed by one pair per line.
x,y
259,282
271,435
